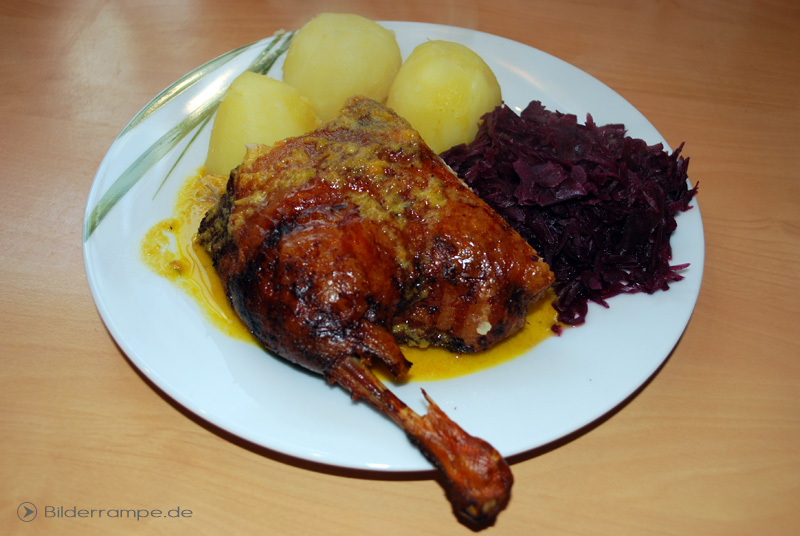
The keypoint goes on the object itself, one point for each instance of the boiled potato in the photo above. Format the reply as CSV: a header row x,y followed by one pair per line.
x,y
255,109
335,56
443,89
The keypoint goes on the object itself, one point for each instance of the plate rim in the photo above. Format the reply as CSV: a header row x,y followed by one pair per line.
x,y
132,355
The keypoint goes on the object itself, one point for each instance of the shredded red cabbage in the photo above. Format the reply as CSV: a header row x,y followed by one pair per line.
x,y
599,206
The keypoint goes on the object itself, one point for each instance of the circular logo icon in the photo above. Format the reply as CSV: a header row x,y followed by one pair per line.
x,y
26,511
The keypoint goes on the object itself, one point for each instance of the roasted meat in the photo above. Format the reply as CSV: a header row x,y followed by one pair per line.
x,y
335,246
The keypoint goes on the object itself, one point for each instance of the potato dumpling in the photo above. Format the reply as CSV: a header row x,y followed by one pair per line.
x,y
335,56
255,109
443,89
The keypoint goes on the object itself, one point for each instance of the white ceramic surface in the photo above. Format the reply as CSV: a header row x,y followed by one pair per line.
x,y
560,386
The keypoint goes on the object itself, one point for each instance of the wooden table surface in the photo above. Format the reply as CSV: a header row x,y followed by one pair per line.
x,y
710,446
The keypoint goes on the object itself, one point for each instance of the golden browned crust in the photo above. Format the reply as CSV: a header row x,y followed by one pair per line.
x,y
360,228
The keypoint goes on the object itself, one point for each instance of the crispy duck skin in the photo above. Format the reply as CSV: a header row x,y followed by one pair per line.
x,y
336,245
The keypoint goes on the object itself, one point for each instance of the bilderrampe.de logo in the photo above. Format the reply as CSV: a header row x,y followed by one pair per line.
x,y
26,511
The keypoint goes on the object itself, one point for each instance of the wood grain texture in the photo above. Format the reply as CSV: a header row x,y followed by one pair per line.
x,y
709,446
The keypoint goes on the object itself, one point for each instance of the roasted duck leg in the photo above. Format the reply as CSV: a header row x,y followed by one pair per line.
x,y
478,480
334,246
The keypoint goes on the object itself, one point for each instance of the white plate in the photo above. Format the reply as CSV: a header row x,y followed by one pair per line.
x,y
560,386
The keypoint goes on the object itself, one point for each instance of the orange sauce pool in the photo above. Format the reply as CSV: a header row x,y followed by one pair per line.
x,y
170,250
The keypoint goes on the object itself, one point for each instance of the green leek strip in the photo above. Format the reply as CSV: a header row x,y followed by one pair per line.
x,y
171,138
180,156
